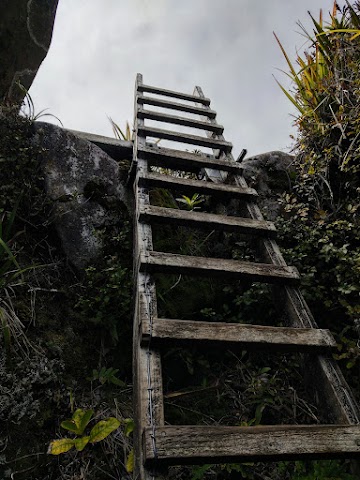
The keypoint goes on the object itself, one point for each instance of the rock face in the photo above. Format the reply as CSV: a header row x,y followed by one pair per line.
x,y
25,34
270,174
87,189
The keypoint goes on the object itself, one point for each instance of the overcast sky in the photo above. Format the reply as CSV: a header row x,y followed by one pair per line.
x,y
225,46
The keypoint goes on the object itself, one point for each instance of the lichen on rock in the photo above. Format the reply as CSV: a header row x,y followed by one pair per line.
x,y
86,189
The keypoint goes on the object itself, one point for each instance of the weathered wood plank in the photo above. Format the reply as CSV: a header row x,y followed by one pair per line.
x,y
186,122
171,93
201,220
186,138
202,444
148,388
187,161
117,149
170,331
182,264
157,102
185,185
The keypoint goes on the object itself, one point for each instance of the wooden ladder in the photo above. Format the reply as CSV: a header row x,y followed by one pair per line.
x,y
158,445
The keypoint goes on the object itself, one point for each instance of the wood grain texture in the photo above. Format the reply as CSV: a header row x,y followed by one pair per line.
x,y
170,331
147,371
212,267
152,214
173,94
323,374
115,148
157,102
211,174
189,445
186,138
185,122
202,444
187,161
185,185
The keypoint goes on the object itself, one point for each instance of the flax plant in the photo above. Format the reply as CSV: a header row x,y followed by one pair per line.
x,y
126,135
12,330
326,81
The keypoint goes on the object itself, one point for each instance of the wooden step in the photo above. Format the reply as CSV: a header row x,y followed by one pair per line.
x,y
171,216
170,331
157,102
186,185
185,138
177,445
211,267
171,93
186,122
187,161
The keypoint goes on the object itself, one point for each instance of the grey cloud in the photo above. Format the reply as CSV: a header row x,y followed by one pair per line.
x,y
226,47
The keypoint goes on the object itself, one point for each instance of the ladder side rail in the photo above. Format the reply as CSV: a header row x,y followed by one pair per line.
x,y
330,385
148,388
214,175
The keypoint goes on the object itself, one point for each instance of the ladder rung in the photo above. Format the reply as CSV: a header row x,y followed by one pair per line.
x,y
171,93
190,265
190,162
186,138
166,331
153,214
176,445
157,102
186,122
185,185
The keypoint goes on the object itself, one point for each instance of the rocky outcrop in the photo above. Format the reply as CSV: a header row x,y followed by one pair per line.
x,y
25,34
270,174
86,189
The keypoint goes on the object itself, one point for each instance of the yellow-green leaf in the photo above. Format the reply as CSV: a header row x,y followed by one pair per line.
x,y
129,426
78,422
69,425
82,418
60,446
80,443
103,428
129,465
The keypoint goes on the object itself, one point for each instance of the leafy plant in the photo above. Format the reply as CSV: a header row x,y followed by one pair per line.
x,y
106,296
321,470
11,326
77,425
126,135
107,375
9,266
130,459
320,230
28,107
193,202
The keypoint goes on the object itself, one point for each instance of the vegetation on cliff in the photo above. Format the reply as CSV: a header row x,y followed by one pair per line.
x,y
320,226
65,334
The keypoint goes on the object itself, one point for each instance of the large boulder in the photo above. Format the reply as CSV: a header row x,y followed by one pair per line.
x,y
270,174
86,189
25,34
